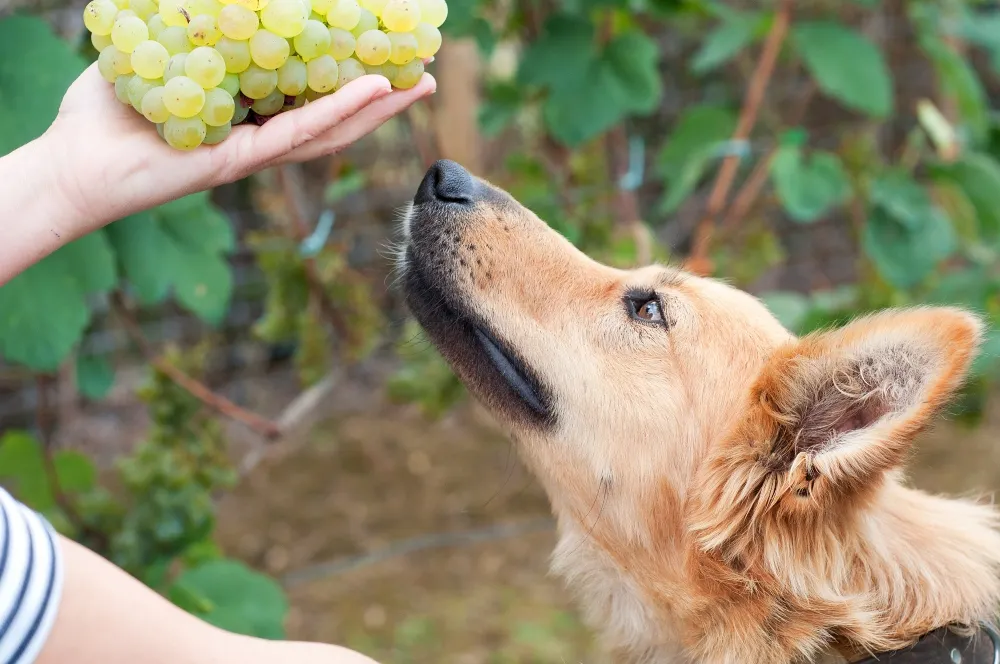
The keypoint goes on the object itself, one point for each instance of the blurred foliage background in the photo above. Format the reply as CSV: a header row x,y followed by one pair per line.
x,y
223,396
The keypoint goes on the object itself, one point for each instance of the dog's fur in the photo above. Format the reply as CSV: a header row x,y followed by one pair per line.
x,y
725,492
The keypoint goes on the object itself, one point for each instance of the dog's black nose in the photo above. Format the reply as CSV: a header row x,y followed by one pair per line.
x,y
446,182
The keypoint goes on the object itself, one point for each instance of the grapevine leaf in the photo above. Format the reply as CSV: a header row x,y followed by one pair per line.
x,y
577,114
846,66
562,57
978,176
75,471
736,31
903,256
632,58
233,597
204,288
22,465
680,187
789,308
901,197
500,108
94,376
960,82
808,187
699,126
988,359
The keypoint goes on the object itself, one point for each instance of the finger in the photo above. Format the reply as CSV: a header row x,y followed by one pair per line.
x,y
361,124
252,148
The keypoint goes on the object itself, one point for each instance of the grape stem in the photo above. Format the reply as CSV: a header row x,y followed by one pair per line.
x,y
699,262
259,424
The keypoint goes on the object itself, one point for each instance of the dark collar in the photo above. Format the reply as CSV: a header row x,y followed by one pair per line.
x,y
945,646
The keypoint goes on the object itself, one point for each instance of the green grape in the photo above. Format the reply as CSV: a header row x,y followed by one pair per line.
x,y
241,113
268,50
231,84
300,101
286,18
99,16
235,53
311,95
253,5
322,7
156,26
184,133
403,47
408,75
149,59
128,33
374,6
342,44
173,13
112,63
204,30
145,9
271,104
350,70
204,7
323,73
121,87
126,13
100,42
401,15
121,4
366,21
215,135
137,89
373,47
176,66
153,107
219,108
238,22
387,70
257,83
344,14
205,67
175,39
313,41
183,97
159,130
433,12
428,40
293,77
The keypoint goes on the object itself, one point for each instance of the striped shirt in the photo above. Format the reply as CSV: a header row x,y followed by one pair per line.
x,y
31,577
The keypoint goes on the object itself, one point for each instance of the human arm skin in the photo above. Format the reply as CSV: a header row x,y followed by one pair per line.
x,y
107,617
100,161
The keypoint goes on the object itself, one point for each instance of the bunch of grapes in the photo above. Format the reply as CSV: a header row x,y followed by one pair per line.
x,y
197,68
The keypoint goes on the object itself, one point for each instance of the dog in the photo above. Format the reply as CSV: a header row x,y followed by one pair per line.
x,y
725,492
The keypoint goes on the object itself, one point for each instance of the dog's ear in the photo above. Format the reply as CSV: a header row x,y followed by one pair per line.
x,y
841,408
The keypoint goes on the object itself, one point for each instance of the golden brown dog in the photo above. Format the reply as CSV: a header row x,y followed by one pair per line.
x,y
725,492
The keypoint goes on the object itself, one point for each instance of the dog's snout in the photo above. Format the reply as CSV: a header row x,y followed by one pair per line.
x,y
447,182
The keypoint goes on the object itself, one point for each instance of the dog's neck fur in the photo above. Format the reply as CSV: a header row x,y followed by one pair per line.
x,y
907,564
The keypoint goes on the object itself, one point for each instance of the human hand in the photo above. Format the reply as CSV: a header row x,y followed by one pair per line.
x,y
110,162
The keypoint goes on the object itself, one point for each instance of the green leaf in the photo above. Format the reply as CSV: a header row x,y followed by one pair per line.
x,y
633,58
903,256
562,57
94,376
231,596
22,464
736,31
809,187
699,126
680,187
75,471
978,176
901,197
846,66
502,103
789,308
959,81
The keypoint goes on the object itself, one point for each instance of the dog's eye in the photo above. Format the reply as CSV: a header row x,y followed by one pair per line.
x,y
647,309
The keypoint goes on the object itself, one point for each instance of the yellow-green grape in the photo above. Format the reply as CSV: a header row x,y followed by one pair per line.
x,y
434,12
219,108
428,40
286,18
184,133
112,63
344,14
342,44
408,75
367,21
269,105
128,33
236,53
174,14
145,9
176,66
311,95
153,107
149,59
350,69
238,22
401,15
403,47
300,101
215,135
204,30
156,26
121,87
321,7
257,83
138,87
313,41
241,113
322,73
99,16
175,39
159,130
204,7
231,84
100,42
373,47
126,13
121,4
183,97
374,6
293,77
254,5
268,50
205,66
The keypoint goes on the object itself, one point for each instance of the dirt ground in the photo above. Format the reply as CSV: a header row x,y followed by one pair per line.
x,y
385,475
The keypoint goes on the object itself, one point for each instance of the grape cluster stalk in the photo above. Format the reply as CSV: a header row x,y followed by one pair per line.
x,y
197,68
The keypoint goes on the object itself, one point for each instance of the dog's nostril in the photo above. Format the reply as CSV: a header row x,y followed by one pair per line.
x,y
447,182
